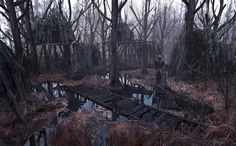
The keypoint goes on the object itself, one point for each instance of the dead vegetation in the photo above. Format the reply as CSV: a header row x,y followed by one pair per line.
x,y
91,80
91,128
38,113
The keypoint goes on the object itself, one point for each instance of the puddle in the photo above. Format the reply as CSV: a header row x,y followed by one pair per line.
x,y
75,103
136,92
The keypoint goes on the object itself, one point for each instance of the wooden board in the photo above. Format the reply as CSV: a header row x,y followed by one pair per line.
x,y
149,115
101,97
110,98
91,92
128,107
141,112
123,103
135,109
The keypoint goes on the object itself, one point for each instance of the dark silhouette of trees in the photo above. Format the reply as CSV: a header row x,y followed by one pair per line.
x,y
9,6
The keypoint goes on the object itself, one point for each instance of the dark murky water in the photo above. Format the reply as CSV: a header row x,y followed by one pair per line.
x,y
141,95
75,103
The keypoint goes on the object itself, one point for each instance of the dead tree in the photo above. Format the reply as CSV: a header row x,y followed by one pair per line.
x,y
30,37
104,30
9,6
164,30
116,9
146,29
192,9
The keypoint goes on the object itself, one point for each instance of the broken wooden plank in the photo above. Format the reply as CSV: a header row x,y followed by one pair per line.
x,y
126,105
149,115
84,90
135,109
91,93
110,98
141,112
101,97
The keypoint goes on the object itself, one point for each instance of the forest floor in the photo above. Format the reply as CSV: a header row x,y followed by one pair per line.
x,y
221,124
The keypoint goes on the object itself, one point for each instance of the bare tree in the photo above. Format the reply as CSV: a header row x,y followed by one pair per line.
x,y
164,30
104,30
9,6
192,9
30,37
146,29
116,9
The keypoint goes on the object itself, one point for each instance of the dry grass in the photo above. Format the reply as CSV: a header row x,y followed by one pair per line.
x,y
51,77
38,114
91,80
134,134
222,132
84,129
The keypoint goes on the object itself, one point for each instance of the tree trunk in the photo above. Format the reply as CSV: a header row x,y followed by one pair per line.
x,y
189,31
34,56
145,36
103,41
114,72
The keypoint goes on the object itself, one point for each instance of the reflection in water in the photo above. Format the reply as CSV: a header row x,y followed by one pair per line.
x,y
75,103
136,92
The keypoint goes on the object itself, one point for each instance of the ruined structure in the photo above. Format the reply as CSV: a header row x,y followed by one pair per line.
x,y
54,36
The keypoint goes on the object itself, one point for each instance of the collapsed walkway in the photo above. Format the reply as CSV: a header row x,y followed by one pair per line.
x,y
134,110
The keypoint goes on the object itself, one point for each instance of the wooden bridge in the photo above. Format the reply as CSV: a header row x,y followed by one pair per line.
x,y
135,110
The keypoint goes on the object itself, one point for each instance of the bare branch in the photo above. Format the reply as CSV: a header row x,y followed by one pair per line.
x,y
213,8
122,4
200,6
19,2
108,6
3,7
5,16
81,14
69,3
186,2
24,11
140,23
96,6
152,27
7,36
48,7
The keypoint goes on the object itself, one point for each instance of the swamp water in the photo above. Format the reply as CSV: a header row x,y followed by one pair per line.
x,y
75,103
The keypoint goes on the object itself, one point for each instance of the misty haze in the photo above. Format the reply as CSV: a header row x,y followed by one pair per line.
x,y
117,72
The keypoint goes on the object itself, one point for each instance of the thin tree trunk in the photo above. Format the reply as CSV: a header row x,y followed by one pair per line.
x,y
103,41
